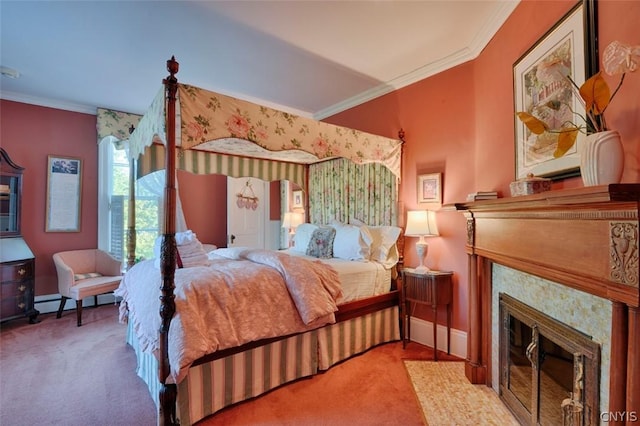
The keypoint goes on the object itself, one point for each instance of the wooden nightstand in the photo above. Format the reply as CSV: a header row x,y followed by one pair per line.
x,y
433,288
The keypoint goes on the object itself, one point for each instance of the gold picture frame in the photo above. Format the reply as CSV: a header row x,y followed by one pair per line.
x,y
429,188
64,194
546,94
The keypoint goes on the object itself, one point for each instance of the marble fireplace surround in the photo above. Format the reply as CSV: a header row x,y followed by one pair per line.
x,y
584,239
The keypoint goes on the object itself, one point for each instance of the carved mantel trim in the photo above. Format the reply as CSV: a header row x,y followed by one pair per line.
x,y
623,258
585,238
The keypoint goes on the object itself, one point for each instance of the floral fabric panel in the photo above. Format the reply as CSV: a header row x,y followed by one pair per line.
x,y
115,123
321,242
341,190
207,116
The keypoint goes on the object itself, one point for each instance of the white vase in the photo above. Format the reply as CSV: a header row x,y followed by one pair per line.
x,y
602,158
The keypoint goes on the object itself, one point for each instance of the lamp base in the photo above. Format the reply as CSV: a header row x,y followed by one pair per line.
x,y
421,270
422,248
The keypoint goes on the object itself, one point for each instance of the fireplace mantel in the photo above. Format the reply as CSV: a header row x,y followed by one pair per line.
x,y
584,238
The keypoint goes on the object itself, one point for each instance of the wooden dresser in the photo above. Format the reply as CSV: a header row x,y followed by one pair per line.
x,y
17,262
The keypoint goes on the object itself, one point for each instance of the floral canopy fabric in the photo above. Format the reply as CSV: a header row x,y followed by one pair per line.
x,y
208,120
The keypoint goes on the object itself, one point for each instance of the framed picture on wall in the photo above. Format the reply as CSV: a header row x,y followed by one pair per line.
x,y
430,188
298,201
64,190
544,80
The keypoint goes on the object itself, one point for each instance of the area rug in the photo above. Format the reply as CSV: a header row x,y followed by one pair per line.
x,y
447,397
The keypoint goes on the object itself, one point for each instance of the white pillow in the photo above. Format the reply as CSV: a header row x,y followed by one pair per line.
x,y
302,237
351,242
383,249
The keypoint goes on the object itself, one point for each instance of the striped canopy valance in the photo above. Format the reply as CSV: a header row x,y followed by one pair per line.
x,y
201,162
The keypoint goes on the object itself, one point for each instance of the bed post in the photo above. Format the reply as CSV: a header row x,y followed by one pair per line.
x,y
131,229
168,392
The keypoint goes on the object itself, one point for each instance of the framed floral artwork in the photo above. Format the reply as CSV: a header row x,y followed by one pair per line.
x,y
298,201
544,80
430,188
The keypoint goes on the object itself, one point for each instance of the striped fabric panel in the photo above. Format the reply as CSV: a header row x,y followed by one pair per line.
x,y
340,341
147,368
201,162
210,387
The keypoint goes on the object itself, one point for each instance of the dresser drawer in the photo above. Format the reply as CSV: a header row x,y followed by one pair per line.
x,y
13,289
14,304
16,271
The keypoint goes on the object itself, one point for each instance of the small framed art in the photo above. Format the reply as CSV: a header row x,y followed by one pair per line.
x,y
430,188
297,202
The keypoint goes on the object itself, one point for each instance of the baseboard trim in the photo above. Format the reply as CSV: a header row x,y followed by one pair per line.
x,y
422,332
49,303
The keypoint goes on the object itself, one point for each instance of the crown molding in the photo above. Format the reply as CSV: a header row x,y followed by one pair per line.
x,y
49,103
461,56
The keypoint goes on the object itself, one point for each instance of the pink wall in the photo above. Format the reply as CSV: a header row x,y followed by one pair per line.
x,y
460,123
29,134
204,202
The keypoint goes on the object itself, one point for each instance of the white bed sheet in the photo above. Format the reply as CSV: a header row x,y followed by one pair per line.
x,y
359,279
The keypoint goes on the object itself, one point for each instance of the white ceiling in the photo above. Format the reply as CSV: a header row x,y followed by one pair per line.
x,y
313,58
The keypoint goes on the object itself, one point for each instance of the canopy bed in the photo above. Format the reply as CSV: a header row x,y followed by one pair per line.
x,y
204,132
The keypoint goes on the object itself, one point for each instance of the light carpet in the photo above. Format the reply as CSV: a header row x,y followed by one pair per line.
x,y
447,397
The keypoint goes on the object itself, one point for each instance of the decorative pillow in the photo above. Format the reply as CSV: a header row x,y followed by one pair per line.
x,y
78,277
302,237
351,242
321,242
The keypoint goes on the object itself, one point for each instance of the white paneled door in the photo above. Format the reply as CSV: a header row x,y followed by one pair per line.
x,y
247,212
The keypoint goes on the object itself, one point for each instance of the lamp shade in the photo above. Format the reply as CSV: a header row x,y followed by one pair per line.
x,y
421,223
291,220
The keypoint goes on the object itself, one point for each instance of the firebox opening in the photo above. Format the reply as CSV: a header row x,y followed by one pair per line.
x,y
549,371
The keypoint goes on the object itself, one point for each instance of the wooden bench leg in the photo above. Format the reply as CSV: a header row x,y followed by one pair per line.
x,y
79,311
63,300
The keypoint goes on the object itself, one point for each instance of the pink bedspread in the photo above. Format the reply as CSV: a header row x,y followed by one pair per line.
x,y
257,295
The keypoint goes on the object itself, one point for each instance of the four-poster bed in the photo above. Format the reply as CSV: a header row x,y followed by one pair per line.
x,y
213,122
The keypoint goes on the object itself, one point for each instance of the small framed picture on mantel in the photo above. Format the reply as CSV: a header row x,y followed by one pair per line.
x,y
430,188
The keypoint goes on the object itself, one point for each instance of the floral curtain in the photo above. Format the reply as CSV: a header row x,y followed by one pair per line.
x,y
342,190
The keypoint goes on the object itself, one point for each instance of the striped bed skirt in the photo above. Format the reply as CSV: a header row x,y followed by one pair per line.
x,y
211,386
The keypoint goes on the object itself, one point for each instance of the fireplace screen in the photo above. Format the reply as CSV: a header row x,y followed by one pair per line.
x,y
548,371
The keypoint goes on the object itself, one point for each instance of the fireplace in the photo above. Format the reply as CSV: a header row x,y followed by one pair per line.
x,y
548,372
583,245
585,313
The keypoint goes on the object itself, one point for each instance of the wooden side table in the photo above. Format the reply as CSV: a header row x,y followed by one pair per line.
x,y
433,288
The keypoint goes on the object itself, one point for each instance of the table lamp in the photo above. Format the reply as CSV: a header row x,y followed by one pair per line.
x,y
421,223
291,221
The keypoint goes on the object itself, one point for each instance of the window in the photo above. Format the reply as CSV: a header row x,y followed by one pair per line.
x,y
113,202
